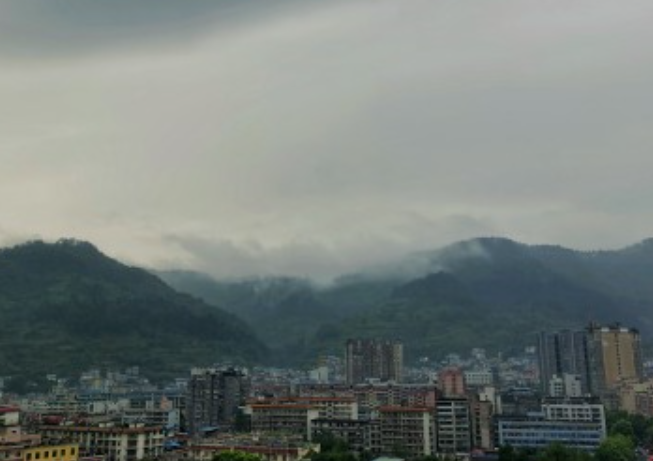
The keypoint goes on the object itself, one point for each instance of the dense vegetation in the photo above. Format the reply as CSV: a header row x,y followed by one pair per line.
x,y
637,428
493,293
65,307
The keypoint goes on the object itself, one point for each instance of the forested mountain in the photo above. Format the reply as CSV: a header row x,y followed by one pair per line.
x,y
488,292
65,307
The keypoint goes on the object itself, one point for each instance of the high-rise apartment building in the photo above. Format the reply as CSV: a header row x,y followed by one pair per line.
x,y
564,352
374,360
214,396
615,354
600,356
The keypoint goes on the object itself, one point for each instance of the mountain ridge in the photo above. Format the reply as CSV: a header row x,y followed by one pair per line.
x,y
65,306
503,289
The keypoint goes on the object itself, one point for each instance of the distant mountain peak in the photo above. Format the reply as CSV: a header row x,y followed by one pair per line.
x,y
64,245
76,243
646,245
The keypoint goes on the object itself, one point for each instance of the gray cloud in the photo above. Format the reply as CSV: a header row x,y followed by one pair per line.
x,y
333,134
392,247
59,29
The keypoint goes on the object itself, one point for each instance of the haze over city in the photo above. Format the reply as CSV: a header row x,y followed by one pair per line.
x,y
314,138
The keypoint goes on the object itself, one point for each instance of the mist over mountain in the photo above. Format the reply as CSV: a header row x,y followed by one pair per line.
x,y
487,292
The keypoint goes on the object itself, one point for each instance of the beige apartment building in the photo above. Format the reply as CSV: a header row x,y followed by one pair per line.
x,y
616,355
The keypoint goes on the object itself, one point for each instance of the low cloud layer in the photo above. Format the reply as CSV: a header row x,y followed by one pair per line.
x,y
313,138
325,257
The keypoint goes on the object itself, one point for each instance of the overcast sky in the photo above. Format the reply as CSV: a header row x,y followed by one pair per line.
x,y
312,137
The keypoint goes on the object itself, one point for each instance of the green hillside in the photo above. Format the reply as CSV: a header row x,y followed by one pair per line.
x,y
490,292
65,307
292,316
